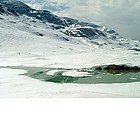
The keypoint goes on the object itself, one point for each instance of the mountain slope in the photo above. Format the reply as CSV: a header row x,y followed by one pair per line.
x,y
37,31
66,25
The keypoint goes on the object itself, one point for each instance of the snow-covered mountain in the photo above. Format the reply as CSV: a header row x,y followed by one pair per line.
x,y
24,23
70,27
38,38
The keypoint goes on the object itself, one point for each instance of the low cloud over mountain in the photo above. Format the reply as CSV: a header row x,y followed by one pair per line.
x,y
122,15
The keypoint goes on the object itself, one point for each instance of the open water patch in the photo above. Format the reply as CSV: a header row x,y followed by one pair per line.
x,y
80,76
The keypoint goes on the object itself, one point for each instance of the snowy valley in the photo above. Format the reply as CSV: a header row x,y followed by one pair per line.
x,y
36,43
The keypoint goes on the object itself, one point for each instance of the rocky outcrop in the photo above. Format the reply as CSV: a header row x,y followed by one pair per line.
x,y
5,10
1,9
122,67
118,68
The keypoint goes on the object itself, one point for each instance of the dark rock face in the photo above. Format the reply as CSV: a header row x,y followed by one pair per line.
x,y
91,33
5,9
135,49
1,9
118,68
16,6
70,21
122,67
88,32
43,15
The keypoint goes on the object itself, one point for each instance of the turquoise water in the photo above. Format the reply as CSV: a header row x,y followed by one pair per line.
x,y
93,76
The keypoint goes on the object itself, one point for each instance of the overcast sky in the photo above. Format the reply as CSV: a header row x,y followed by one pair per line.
x,y
120,15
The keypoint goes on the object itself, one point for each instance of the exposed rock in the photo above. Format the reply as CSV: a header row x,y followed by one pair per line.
x,y
99,68
1,18
1,9
115,69
38,34
136,49
122,67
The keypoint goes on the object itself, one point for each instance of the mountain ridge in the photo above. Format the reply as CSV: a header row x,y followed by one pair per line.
x,y
47,16
70,27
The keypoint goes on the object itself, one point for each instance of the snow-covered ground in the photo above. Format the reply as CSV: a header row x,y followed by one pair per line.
x,y
14,85
21,44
